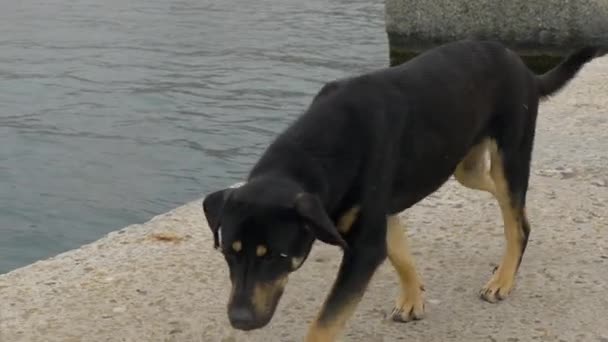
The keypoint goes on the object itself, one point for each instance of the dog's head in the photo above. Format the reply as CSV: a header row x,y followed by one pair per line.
x,y
265,230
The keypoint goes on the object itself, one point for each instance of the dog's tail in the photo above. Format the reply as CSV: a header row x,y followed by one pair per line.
x,y
556,78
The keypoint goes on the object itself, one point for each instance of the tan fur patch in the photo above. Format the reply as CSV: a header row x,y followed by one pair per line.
x,y
264,293
261,250
237,246
474,171
347,219
410,303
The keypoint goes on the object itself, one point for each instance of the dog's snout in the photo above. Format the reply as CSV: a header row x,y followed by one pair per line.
x,y
242,318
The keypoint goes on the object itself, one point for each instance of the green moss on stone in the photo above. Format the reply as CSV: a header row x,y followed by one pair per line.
x,y
541,63
538,63
400,56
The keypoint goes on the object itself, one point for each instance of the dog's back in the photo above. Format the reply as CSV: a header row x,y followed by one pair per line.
x,y
413,121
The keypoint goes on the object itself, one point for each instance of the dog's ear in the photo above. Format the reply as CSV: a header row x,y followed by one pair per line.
x,y
311,209
213,205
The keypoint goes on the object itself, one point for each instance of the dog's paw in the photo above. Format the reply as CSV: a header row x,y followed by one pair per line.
x,y
410,308
498,288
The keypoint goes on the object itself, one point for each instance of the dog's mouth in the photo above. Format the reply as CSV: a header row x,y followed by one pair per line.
x,y
257,311
247,319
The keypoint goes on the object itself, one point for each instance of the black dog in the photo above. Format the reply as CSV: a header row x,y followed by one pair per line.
x,y
369,147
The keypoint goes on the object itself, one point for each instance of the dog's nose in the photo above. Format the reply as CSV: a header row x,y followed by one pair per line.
x,y
242,318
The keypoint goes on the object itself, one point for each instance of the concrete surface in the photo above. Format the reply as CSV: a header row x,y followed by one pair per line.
x,y
542,28
162,281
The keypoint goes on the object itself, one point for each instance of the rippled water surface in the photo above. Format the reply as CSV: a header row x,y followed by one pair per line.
x,y
114,111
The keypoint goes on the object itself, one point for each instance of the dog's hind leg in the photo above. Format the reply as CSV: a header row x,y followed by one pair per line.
x,y
410,303
510,173
506,177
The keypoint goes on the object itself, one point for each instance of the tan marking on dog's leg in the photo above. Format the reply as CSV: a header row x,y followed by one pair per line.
x,y
263,294
502,281
410,303
474,170
347,219
329,332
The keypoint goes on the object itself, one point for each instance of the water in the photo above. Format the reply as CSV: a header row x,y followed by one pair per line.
x,y
114,111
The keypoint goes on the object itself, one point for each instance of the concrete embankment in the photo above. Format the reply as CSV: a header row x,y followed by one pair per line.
x,y
162,281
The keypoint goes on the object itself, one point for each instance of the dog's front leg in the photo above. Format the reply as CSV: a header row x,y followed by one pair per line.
x,y
359,263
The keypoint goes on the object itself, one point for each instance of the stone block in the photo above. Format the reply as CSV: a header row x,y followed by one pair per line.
x,y
541,31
